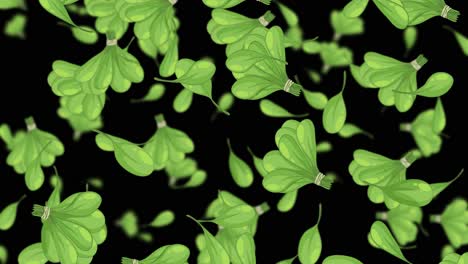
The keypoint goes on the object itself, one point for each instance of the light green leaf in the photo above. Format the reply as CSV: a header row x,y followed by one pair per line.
x,y
226,101
411,192
383,239
34,176
145,237
32,254
245,247
215,250
310,244
197,179
439,119
441,186
96,182
4,255
311,46
324,146
57,8
15,26
182,101
461,39
164,218
8,215
5,134
11,4
236,216
169,63
410,35
130,156
194,72
85,34
240,171
289,15
394,11
317,100
340,259
129,223
437,85
286,203
348,130
155,92
334,114
355,8
176,253
258,163
271,109
346,26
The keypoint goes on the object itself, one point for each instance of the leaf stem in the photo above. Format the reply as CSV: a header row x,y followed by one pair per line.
x,y
420,61
63,24
128,261
268,16
435,219
219,108
38,210
381,216
129,43
412,156
196,221
336,37
262,208
320,214
110,35
229,144
160,121
451,14
295,89
458,176
405,127
423,230
344,82
30,124
166,81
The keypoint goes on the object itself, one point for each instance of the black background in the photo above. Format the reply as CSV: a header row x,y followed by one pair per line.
x,y
347,213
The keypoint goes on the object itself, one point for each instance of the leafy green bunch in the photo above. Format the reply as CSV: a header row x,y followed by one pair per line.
x,y
185,171
83,87
237,224
259,67
196,78
396,80
427,128
404,13
72,229
294,164
454,222
227,27
31,150
156,30
403,221
167,145
387,181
